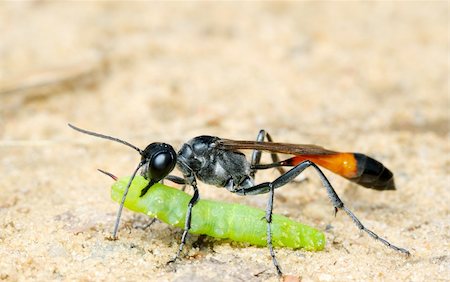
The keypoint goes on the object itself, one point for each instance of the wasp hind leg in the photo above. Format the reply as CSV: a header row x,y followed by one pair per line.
x,y
269,187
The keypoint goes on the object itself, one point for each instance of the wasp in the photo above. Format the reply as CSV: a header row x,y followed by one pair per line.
x,y
219,162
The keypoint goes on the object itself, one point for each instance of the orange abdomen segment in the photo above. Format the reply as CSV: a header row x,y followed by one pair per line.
x,y
343,164
356,167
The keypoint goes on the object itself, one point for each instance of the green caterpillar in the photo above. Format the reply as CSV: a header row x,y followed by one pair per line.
x,y
220,220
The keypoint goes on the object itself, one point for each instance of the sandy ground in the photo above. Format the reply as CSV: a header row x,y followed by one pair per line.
x,y
365,77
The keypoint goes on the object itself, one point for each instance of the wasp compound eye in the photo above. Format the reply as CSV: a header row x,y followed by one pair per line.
x,y
161,164
160,160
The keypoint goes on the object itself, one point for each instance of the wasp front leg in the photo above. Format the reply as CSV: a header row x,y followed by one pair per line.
x,y
190,180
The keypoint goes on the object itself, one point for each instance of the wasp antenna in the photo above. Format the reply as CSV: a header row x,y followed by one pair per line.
x,y
108,173
104,137
119,211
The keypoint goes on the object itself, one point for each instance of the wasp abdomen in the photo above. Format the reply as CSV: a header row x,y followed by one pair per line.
x,y
373,174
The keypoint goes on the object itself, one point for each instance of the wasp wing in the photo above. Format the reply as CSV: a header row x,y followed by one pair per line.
x,y
283,148
356,167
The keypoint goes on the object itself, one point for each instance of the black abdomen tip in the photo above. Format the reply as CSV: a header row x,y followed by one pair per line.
x,y
373,174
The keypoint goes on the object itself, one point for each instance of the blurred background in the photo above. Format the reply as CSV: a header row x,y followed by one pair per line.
x,y
370,77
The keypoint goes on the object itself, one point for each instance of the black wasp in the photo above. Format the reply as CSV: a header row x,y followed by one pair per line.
x,y
219,162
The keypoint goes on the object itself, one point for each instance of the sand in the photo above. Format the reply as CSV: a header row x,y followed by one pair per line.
x,y
362,77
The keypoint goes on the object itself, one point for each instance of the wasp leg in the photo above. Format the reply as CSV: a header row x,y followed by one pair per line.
x,y
174,179
269,210
146,225
187,224
177,180
256,155
336,201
